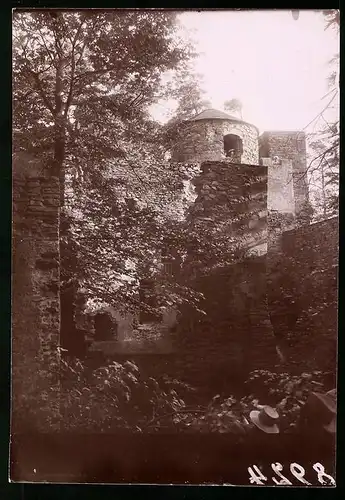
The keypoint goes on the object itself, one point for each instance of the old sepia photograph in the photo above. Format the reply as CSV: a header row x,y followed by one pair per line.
x,y
175,180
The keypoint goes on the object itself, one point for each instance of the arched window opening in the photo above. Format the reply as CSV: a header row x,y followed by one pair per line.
x,y
233,147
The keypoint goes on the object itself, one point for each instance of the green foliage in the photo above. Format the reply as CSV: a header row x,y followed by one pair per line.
x,y
83,84
116,397
283,391
332,18
120,397
92,69
233,105
186,90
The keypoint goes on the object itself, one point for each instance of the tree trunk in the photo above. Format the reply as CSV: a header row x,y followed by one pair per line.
x,y
60,131
59,156
324,207
68,329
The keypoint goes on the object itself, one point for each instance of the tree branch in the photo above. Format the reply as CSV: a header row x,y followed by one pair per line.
x,y
73,65
41,92
322,156
321,112
96,72
25,96
45,45
182,410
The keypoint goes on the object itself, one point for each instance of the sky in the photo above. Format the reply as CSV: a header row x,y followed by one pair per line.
x,y
275,65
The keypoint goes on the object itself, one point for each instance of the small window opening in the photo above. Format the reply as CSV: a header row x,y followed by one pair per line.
x,y
233,147
168,268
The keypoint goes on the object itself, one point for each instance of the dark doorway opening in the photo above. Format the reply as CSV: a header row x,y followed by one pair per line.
x,y
105,327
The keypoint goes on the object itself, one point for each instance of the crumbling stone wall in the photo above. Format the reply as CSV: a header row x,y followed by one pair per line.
x,y
280,196
290,146
203,140
236,335
35,297
232,199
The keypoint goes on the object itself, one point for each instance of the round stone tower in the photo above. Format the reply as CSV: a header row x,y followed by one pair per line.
x,y
213,135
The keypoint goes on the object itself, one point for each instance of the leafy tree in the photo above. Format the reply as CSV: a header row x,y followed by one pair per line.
x,y
233,105
186,90
189,94
80,78
324,171
323,168
83,83
332,18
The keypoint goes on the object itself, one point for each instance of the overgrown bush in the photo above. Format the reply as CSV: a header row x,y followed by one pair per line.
x,y
118,397
286,392
281,390
115,397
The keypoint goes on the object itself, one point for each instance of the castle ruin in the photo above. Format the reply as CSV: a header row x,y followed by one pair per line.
x,y
263,180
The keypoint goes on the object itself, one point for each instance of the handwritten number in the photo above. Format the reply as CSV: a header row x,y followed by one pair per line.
x,y
256,477
319,468
277,468
298,471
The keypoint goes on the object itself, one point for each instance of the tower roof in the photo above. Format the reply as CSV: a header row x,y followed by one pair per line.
x,y
215,114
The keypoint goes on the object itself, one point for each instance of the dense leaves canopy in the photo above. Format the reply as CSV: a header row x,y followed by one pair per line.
x,y
83,84
94,74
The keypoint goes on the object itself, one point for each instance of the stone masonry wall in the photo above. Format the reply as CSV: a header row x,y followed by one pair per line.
x,y
280,196
242,300
236,335
203,140
35,298
214,353
290,146
232,200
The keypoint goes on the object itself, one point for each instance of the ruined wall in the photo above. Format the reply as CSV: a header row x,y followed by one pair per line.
x,y
232,201
236,335
135,338
35,297
249,301
280,214
315,244
203,140
274,293
215,352
280,195
290,146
